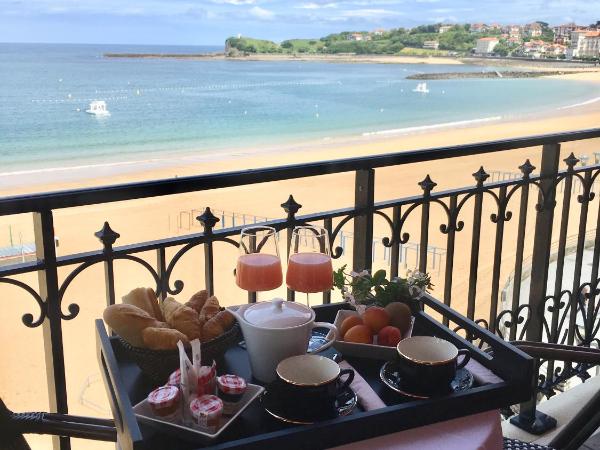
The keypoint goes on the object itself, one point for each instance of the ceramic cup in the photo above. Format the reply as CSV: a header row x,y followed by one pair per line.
x,y
428,363
311,382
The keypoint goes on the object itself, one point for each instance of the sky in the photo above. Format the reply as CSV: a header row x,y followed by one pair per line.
x,y
210,22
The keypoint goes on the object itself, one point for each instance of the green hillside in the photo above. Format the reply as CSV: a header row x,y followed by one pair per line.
x,y
459,39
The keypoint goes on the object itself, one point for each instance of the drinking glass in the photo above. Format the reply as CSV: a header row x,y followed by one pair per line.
x,y
258,264
309,265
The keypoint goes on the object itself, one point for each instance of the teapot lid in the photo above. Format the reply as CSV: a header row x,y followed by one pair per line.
x,y
278,314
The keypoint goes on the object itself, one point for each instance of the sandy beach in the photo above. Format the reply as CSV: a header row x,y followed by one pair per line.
x,y
23,386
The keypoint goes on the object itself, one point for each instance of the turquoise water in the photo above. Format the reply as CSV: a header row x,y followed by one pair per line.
x,y
167,107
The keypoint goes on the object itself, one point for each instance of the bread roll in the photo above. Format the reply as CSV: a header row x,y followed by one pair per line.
x,y
128,321
169,306
210,309
144,298
218,325
162,338
198,300
185,319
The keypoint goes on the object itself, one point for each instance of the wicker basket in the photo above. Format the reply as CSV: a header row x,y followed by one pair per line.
x,y
159,364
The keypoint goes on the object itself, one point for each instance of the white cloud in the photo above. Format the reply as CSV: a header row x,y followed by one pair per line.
x,y
371,13
313,5
234,2
261,13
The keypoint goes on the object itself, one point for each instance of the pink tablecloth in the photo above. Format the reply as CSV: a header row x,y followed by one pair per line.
x,y
477,432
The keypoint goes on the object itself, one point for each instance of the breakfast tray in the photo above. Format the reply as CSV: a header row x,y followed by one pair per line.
x,y
254,429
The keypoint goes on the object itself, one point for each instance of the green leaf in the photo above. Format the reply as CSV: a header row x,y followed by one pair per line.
x,y
379,277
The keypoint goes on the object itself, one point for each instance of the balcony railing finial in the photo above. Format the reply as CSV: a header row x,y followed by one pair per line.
x,y
526,168
107,236
208,220
480,176
291,207
427,185
571,161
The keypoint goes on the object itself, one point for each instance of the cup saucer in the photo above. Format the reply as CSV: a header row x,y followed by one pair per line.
x,y
272,403
390,376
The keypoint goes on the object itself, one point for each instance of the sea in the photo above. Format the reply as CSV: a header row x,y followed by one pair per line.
x,y
163,109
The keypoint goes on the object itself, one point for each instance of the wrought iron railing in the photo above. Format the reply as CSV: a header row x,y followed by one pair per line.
x,y
548,314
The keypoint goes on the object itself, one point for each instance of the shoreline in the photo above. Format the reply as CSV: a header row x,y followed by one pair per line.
x,y
186,162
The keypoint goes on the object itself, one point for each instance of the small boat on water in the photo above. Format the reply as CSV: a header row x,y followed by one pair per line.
x,y
98,108
422,88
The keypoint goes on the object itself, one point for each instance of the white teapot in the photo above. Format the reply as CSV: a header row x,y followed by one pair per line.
x,y
276,330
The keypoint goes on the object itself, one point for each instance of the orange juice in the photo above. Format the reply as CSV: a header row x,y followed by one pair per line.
x,y
309,272
258,272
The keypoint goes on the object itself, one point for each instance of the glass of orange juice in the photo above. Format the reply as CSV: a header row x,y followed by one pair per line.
x,y
258,265
309,265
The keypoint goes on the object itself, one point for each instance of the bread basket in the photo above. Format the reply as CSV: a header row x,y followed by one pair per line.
x,y
159,364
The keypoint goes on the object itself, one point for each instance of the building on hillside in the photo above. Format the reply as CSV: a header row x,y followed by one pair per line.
x,y
432,45
534,49
562,33
514,40
533,29
378,32
486,45
555,50
444,28
355,37
584,44
515,31
495,26
478,28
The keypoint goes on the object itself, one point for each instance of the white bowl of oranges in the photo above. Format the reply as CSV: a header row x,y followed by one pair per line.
x,y
375,333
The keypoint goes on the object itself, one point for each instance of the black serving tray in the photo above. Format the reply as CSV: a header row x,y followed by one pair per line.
x,y
255,429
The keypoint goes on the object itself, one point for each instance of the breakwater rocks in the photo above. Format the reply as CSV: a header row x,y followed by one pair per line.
x,y
487,74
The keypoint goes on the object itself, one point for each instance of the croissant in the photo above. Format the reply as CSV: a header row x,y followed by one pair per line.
x,y
169,306
162,338
217,325
210,309
198,300
144,298
186,320
129,321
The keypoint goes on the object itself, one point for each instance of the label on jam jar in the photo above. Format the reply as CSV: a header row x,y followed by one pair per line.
x,y
164,401
231,389
207,411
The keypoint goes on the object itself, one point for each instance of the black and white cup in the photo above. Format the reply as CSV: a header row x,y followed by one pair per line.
x,y
311,382
428,363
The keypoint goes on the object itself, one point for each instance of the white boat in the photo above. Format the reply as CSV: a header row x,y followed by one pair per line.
x,y
98,108
421,87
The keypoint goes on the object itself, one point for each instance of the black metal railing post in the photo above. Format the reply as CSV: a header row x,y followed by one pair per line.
x,y
208,221
108,237
480,177
529,419
364,198
43,226
427,185
291,207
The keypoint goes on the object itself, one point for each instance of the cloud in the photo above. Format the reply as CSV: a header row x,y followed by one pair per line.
x,y
234,2
262,13
313,5
371,13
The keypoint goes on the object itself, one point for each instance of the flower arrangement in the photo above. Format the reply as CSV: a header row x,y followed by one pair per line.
x,y
363,289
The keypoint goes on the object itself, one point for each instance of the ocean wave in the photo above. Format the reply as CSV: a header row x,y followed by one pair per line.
x,y
575,105
79,167
431,127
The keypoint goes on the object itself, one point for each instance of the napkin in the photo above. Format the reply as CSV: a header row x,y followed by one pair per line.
x,y
482,374
367,397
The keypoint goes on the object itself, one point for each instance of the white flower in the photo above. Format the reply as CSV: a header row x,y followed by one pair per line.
x,y
349,297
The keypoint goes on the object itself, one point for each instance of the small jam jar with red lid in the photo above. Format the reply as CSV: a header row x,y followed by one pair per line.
x,y
231,389
174,378
207,384
164,401
207,411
